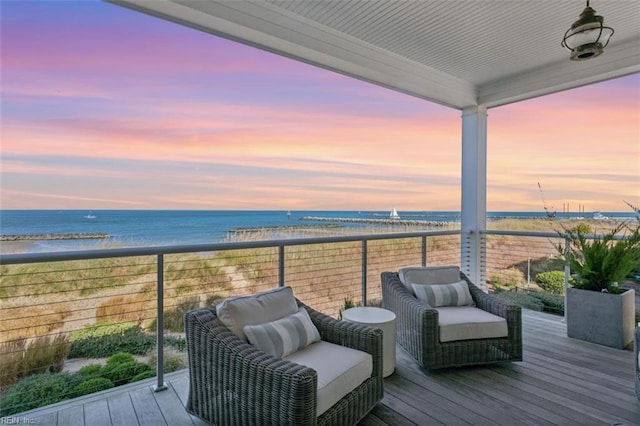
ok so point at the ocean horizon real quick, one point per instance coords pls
(145, 228)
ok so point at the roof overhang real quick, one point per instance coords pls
(455, 53)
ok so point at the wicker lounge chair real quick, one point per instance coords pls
(234, 383)
(418, 328)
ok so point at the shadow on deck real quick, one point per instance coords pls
(561, 381)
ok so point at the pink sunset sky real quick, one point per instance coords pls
(106, 108)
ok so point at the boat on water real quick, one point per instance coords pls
(394, 214)
(599, 216)
(90, 216)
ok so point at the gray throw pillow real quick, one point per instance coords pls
(284, 336)
(437, 295)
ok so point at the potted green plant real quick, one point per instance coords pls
(598, 308)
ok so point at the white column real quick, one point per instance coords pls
(474, 193)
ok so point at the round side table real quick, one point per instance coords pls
(384, 320)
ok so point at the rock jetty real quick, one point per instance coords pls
(42, 237)
(279, 228)
(403, 222)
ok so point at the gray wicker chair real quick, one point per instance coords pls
(234, 383)
(418, 331)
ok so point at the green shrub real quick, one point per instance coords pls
(38, 390)
(143, 376)
(90, 370)
(101, 340)
(178, 343)
(120, 358)
(536, 301)
(92, 385)
(553, 303)
(551, 281)
(525, 300)
(121, 373)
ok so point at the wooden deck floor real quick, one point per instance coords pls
(561, 382)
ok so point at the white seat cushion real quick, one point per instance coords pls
(467, 323)
(340, 370)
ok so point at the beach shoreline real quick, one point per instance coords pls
(15, 247)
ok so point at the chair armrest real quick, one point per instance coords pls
(509, 311)
(350, 335)
(228, 372)
(416, 321)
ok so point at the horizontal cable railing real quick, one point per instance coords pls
(69, 309)
(76, 308)
(513, 258)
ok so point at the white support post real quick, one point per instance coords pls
(474, 193)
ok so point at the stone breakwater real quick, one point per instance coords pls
(42, 237)
(279, 228)
(403, 222)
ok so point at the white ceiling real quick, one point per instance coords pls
(458, 53)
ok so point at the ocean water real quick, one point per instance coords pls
(139, 228)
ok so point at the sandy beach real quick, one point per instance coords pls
(12, 247)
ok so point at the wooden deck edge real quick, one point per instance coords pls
(96, 396)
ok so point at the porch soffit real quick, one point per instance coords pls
(456, 53)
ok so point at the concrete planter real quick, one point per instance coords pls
(602, 318)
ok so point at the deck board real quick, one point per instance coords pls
(147, 409)
(562, 381)
(73, 416)
(96, 413)
(121, 410)
(172, 408)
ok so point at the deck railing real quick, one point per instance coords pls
(49, 296)
(58, 299)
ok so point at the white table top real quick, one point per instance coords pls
(368, 314)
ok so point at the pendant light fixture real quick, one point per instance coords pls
(588, 36)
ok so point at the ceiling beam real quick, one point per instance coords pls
(259, 25)
(617, 61)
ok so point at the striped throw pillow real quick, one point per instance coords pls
(284, 336)
(436, 295)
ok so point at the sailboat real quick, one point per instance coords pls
(394, 214)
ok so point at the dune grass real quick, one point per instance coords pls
(21, 358)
